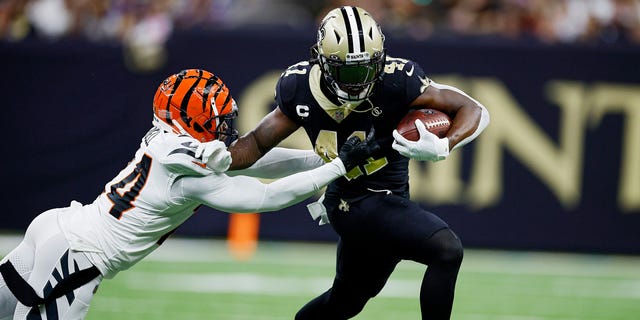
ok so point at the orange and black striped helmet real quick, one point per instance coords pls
(198, 103)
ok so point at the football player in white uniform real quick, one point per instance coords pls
(66, 252)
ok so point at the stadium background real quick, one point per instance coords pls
(557, 170)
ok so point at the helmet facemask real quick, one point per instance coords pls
(221, 127)
(352, 80)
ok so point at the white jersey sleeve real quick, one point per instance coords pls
(281, 162)
(248, 194)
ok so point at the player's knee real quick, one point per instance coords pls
(450, 248)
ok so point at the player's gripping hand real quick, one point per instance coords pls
(214, 154)
(428, 147)
(355, 152)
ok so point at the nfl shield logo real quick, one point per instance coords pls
(338, 115)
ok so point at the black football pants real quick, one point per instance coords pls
(375, 234)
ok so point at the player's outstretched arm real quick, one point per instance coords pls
(281, 162)
(248, 194)
(271, 130)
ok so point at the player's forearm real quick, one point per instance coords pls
(295, 188)
(245, 152)
(281, 162)
(248, 194)
(464, 124)
(271, 130)
(470, 119)
(473, 130)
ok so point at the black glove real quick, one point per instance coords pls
(355, 152)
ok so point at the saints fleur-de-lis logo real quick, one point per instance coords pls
(343, 206)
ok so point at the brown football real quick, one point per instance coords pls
(437, 122)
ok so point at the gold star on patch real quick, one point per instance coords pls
(425, 83)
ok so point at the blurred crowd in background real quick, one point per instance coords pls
(154, 21)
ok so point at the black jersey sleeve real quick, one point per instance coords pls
(409, 73)
(416, 81)
(286, 92)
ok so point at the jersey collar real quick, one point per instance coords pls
(336, 112)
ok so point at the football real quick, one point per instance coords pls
(437, 122)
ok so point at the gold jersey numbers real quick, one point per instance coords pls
(326, 147)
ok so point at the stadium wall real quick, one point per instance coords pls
(558, 168)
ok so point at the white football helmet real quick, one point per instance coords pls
(350, 50)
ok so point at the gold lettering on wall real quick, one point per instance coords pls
(606, 98)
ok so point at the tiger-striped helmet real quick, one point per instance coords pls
(350, 52)
(198, 103)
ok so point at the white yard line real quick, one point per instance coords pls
(285, 285)
(322, 255)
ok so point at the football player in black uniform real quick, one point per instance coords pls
(351, 87)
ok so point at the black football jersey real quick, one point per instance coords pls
(300, 96)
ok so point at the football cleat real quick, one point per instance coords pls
(197, 103)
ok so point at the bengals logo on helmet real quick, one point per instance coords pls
(196, 102)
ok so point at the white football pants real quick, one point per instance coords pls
(43, 258)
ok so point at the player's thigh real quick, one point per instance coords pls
(22, 260)
(79, 307)
(49, 245)
(40, 230)
(400, 225)
(361, 268)
(72, 306)
(54, 261)
(52, 267)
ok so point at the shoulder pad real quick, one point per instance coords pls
(398, 70)
(173, 151)
(288, 82)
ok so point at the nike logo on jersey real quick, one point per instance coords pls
(410, 71)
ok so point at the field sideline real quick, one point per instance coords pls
(200, 279)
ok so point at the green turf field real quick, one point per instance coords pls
(188, 279)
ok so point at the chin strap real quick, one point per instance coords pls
(364, 94)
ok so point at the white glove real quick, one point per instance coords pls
(428, 147)
(214, 154)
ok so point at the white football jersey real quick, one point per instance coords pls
(136, 211)
(161, 188)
